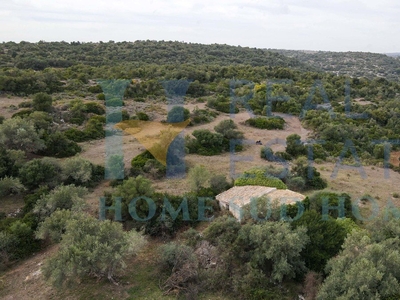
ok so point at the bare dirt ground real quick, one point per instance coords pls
(375, 184)
(24, 281)
(6, 105)
(395, 158)
(11, 204)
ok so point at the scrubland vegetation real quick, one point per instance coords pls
(144, 242)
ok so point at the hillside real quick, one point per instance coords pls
(354, 64)
(39, 56)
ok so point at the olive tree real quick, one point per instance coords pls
(20, 134)
(90, 247)
(68, 197)
(45, 171)
(364, 270)
(77, 170)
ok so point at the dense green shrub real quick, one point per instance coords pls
(282, 156)
(90, 247)
(317, 200)
(95, 89)
(8, 164)
(312, 180)
(191, 237)
(101, 96)
(198, 177)
(93, 130)
(75, 135)
(41, 120)
(178, 114)
(114, 117)
(38, 172)
(364, 268)
(201, 116)
(259, 177)
(196, 89)
(326, 239)
(125, 115)
(10, 186)
(53, 227)
(114, 102)
(146, 164)
(139, 161)
(267, 153)
(205, 142)
(226, 107)
(266, 122)
(219, 184)
(2, 118)
(77, 171)
(174, 256)
(222, 104)
(31, 199)
(98, 172)
(270, 249)
(22, 114)
(68, 197)
(296, 183)
(58, 145)
(25, 104)
(142, 116)
(228, 130)
(95, 108)
(17, 242)
(294, 146)
(42, 102)
(77, 112)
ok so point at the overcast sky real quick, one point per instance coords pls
(361, 25)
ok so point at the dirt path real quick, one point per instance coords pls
(6, 105)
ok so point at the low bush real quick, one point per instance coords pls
(222, 104)
(142, 116)
(205, 142)
(22, 114)
(201, 116)
(75, 135)
(25, 104)
(259, 177)
(146, 164)
(37, 172)
(95, 108)
(10, 186)
(101, 96)
(17, 241)
(269, 123)
(219, 184)
(95, 89)
(93, 130)
(178, 114)
(58, 145)
(77, 171)
(267, 153)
